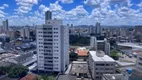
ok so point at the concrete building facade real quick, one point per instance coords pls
(100, 45)
(98, 28)
(100, 64)
(53, 46)
(139, 63)
(5, 26)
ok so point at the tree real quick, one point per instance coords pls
(73, 56)
(114, 54)
(45, 77)
(5, 69)
(79, 40)
(18, 71)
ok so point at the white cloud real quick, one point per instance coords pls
(25, 6)
(140, 5)
(79, 11)
(2, 16)
(2, 13)
(92, 3)
(102, 11)
(1, 7)
(43, 8)
(55, 6)
(5, 5)
(66, 1)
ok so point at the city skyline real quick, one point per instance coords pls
(108, 12)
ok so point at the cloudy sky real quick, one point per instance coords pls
(78, 12)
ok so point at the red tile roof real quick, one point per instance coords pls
(30, 77)
(82, 53)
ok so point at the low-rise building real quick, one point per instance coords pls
(27, 59)
(82, 53)
(139, 62)
(100, 64)
(112, 77)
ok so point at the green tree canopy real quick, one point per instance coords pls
(73, 56)
(114, 54)
(5, 69)
(18, 71)
(45, 77)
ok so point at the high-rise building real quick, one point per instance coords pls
(53, 46)
(93, 43)
(91, 29)
(48, 16)
(98, 28)
(100, 64)
(100, 45)
(5, 25)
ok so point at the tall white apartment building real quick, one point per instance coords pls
(98, 28)
(91, 29)
(139, 63)
(5, 26)
(53, 46)
(100, 64)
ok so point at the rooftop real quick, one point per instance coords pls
(100, 40)
(82, 52)
(30, 76)
(103, 58)
(113, 76)
(66, 77)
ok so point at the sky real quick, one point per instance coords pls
(77, 12)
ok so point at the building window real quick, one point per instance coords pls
(55, 57)
(49, 32)
(140, 63)
(48, 22)
(48, 57)
(107, 64)
(40, 56)
(44, 28)
(48, 43)
(49, 28)
(50, 61)
(140, 58)
(55, 32)
(99, 64)
(55, 35)
(56, 50)
(55, 39)
(55, 46)
(55, 28)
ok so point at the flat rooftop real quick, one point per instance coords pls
(66, 77)
(78, 70)
(113, 76)
(104, 58)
